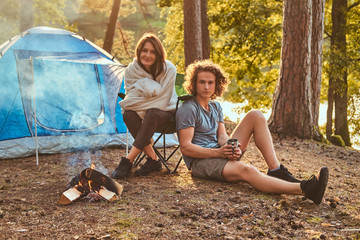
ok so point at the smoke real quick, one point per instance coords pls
(78, 161)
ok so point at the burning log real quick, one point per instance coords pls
(91, 183)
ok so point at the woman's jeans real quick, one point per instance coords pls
(143, 130)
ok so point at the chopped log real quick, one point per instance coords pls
(108, 195)
(69, 196)
(90, 179)
(103, 180)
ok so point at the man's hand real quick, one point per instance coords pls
(227, 152)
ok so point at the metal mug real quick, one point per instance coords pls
(234, 143)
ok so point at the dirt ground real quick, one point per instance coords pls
(177, 206)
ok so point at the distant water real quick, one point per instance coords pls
(230, 112)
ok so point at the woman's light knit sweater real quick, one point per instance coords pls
(143, 93)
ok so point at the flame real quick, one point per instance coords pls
(92, 166)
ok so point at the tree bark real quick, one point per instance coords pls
(26, 14)
(338, 68)
(292, 108)
(110, 31)
(192, 31)
(318, 11)
(330, 109)
(205, 31)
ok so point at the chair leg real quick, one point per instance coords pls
(139, 159)
(177, 165)
(165, 160)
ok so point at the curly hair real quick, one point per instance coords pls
(158, 67)
(192, 71)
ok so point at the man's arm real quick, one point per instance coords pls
(222, 140)
(195, 151)
(221, 134)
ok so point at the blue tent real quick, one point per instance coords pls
(59, 89)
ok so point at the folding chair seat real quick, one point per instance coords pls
(168, 128)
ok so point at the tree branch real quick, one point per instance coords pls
(123, 38)
(143, 12)
(327, 34)
(353, 5)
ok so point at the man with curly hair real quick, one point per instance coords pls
(203, 139)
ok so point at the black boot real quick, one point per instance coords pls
(283, 174)
(314, 188)
(149, 167)
(123, 170)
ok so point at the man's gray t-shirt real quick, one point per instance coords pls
(205, 123)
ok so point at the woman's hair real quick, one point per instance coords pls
(158, 67)
(192, 71)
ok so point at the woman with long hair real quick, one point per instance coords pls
(149, 102)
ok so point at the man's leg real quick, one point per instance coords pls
(235, 171)
(254, 123)
(313, 189)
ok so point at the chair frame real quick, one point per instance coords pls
(162, 157)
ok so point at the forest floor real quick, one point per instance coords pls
(178, 206)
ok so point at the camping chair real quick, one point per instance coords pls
(167, 128)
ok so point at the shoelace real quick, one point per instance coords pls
(312, 178)
(287, 171)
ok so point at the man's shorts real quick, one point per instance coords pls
(209, 168)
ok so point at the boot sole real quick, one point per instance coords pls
(323, 180)
(115, 176)
(137, 174)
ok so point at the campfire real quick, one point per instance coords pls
(93, 186)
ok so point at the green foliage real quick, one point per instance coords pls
(46, 13)
(354, 118)
(166, 3)
(174, 34)
(245, 40)
(49, 13)
(349, 63)
(92, 17)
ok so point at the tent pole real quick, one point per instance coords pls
(127, 141)
(36, 138)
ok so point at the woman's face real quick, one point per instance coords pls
(148, 56)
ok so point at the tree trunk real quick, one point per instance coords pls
(318, 11)
(205, 31)
(338, 68)
(192, 31)
(330, 109)
(26, 14)
(292, 108)
(110, 31)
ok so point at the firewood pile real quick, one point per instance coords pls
(91, 185)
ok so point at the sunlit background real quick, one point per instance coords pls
(232, 113)
(232, 47)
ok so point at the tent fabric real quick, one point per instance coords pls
(61, 88)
